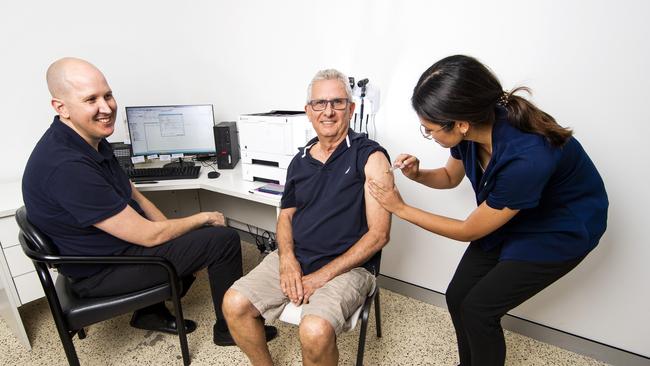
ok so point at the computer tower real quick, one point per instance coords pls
(226, 141)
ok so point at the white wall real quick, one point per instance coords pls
(585, 60)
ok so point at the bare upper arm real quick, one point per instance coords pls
(287, 213)
(455, 170)
(135, 192)
(376, 169)
(485, 220)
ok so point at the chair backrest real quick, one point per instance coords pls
(35, 239)
(37, 246)
(374, 263)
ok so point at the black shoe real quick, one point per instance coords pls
(159, 322)
(223, 338)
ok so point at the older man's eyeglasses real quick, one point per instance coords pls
(321, 104)
(428, 134)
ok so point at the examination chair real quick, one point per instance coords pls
(72, 313)
(291, 312)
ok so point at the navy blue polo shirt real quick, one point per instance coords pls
(67, 187)
(329, 199)
(560, 194)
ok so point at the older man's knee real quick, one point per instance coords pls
(236, 305)
(316, 333)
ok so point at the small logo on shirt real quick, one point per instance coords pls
(346, 172)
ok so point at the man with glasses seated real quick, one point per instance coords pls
(329, 231)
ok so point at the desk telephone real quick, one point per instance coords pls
(122, 152)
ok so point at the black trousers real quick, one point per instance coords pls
(483, 290)
(217, 248)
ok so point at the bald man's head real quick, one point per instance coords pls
(82, 98)
(62, 74)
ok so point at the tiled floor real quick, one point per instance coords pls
(414, 333)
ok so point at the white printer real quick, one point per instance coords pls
(269, 141)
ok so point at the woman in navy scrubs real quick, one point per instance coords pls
(541, 204)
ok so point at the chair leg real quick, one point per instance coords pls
(180, 326)
(68, 346)
(362, 333)
(65, 336)
(378, 313)
(82, 333)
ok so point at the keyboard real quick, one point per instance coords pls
(165, 173)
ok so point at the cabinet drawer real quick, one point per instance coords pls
(29, 287)
(8, 231)
(19, 263)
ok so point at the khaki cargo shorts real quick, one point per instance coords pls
(334, 302)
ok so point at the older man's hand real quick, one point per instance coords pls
(291, 278)
(312, 282)
(215, 218)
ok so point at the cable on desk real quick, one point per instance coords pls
(208, 164)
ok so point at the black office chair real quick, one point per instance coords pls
(72, 313)
(365, 312)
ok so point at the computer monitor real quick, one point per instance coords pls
(171, 129)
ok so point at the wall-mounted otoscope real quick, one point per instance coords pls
(366, 96)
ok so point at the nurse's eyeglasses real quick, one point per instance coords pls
(428, 134)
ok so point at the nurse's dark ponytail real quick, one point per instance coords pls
(460, 88)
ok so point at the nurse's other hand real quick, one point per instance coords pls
(389, 198)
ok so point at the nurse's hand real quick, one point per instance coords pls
(389, 198)
(409, 165)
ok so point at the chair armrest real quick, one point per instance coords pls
(51, 259)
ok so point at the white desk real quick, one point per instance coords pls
(229, 194)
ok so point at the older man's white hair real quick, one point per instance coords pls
(330, 74)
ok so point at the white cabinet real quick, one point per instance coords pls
(18, 262)
(8, 231)
(18, 278)
(20, 268)
(29, 287)
(19, 283)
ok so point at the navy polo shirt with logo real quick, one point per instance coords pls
(560, 193)
(329, 199)
(67, 187)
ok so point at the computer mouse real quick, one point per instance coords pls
(213, 175)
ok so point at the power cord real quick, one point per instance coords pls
(208, 164)
(265, 241)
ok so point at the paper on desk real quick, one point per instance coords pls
(165, 157)
(137, 159)
(177, 156)
(153, 156)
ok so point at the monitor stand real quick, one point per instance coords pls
(179, 164)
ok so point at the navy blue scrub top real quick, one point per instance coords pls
(68, 186)
(560, 195)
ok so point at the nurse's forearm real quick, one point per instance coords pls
(441, 225)
(480, 222)
(436, 178)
